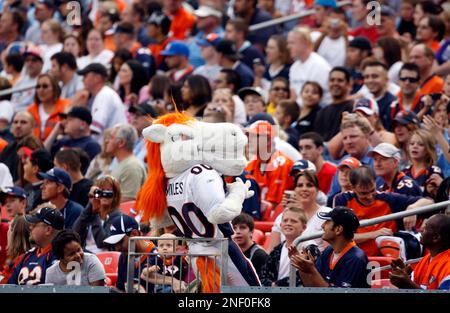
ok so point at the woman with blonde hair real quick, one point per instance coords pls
(52, 35)
(100, 164)
(222, 100)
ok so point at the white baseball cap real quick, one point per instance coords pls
(387, 150)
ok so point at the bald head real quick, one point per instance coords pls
(22, 124)
(440, 223)
(423, 57)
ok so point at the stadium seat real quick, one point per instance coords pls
(382, 284)
(258, 237)
(110, 261)
(128, 208)
(264, 226)
(266, 245)
(382, 261)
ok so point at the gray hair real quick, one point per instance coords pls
(128, 134)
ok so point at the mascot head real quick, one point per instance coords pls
(177, 142)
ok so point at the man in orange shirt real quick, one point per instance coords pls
(182, 20)
(367, 203)
(423, 57)
(269, 167)
(433, 271)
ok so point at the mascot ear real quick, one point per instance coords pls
(155, 133)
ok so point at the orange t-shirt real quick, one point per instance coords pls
(433, 84)
(433, 273)
(182, 23)
(275, 179)
(52, 119)
(157, 48)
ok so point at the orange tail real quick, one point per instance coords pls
(209, 274)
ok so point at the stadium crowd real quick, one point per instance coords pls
(347, 115)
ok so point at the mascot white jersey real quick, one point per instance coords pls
(184, 187)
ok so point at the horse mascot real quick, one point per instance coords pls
(185, 187)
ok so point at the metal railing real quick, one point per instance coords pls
(364, 223)
(220, 260)
(8, 91)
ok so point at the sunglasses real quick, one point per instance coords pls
(43, 86)
(410, 79)
(280, 89)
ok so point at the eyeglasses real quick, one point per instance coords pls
(43, 86)
(410, 79)
(280, 89)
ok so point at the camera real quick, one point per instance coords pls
(99, 193)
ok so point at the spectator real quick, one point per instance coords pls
(386, 165)
(349, 270)
(11, 23)
(236, 30)
(182, 20)
(47, 105)
(56, 189)
(272, 177)
(328, 122)
(125, 38)
(134, 13)
(309, 66)
(311, 95)
(286, 114)
(360, 11)
(96, 51)
(367, 203)
(22, 127)
(430, 31)
(52, 35)
(33, 67)
(252, 14)
(18, 244)
(408, 98)
(211, 68)
(359, 48)
(209, 21)
(376, 80)
(78, 133)
(15, 201)
(120, 57)
(421, 152)
(141, 117)
(343, 177)
(311, 146)
(432, 272)
(158, 94)
(69, 160)
(6, 115)
(388, 50)
(46, 222)
(253, 100)
(66, 247)
(132, 77)
(176, 56)
(106, 22)
(72, 44)
(64, 68)
(270, 6)
(94, 222)
(279, 90)
(387, 25)
(231, 79)
(196, 94)
(404, 124)
(406, 27)
(103, 117)
(124, 227)
(423, 57)
(100, 165)
(229, 59)
(36, 161)
(424, 8)
(244, 226)
(332, 43)
(275, 272)
(158, 25)
(43, 11)
(13, 66)
(129, 172)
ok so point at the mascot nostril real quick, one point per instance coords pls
(186, 188)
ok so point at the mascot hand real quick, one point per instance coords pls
(232, 205)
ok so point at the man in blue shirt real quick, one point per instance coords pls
(342, 263)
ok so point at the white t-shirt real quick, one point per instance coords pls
(91, 270)
(287, 149)
(394, 71)
(315, 68)
(333, 51)
(22, 99)
(49, 51)
(103, 58)
(43, 116)
(107, 110)
(283, 270)
(6, 179)
(240, 115)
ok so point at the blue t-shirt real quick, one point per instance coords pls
(88, 144)
(350, 271)
(246, 74)
(71, 212)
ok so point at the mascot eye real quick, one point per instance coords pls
(176, 138)
(233, 134)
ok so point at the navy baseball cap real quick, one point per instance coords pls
(81, 113)
(120, 226)
(57, 175)
(341, 216)
(302, 165)
(261, 117)
(12, 191)
(49, 216)
(96, 68)
(143, 108)
(176, 48)
(361, 43)
(407, 117)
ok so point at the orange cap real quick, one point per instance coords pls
(261, 128)
(350, 162)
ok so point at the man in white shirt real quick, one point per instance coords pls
(107, 108)
(308, 65)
